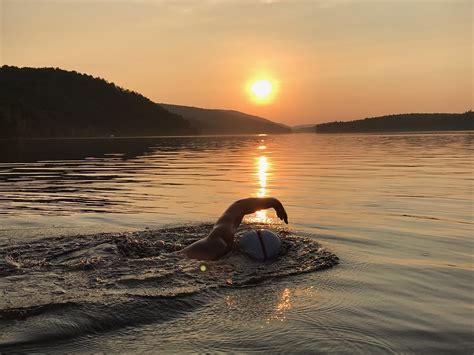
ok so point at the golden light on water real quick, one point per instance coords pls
(262, 166)
(284, 304)
(262, 171)
(261, 216)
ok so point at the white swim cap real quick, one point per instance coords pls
(260, 244)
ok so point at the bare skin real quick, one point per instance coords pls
(220, 240)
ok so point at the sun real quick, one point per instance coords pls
(261, 90)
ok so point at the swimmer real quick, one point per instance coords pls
(219, 242)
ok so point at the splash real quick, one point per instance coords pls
(115, 271)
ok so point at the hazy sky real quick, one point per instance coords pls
(330, 59)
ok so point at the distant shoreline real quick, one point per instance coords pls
(51, 102)
(48, 103)
(233, 135)
(143, 137)
(410, 122)
(400, 132)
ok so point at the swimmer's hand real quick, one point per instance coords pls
(281, 213)
(280, 210)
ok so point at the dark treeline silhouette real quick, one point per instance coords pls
(214, 121)
(403, 123)
(48, 102)
(303, 128)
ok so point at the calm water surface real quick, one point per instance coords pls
(396, 209)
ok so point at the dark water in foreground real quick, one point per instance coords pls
(65, 287)
(87, 241)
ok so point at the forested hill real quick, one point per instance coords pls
(48, 102)
(403, 123)
(214, 121)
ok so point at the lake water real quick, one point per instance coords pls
(88, 227)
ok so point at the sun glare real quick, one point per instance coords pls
(261, 90)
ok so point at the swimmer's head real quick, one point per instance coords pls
(260, 244)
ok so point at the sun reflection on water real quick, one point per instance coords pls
(262, 166)
(282, 307)
(262, 172)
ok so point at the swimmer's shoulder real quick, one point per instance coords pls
(222, 231)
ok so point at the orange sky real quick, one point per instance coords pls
(331, 59)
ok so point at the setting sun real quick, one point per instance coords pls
(262, 90)
(250, 163)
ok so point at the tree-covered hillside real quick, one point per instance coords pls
(214, 121)
(402, 123)
(48, 102)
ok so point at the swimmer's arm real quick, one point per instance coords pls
(205, 249)
(240, 208)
